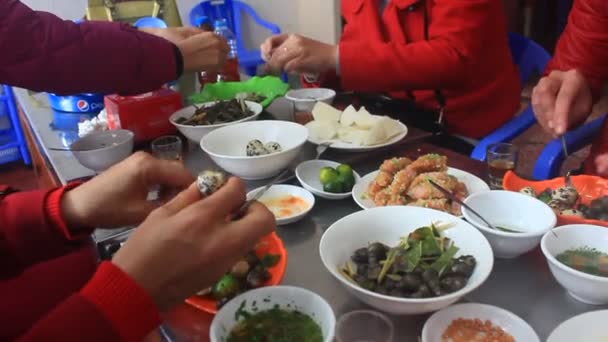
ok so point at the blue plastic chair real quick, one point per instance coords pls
(150, 22)
(529, 57)
(13, 146)
(232, 10)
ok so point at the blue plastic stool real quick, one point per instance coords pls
(150, 22)
(13, 146)
(232, 12)
(529, 57)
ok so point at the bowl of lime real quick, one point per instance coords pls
(327, 179)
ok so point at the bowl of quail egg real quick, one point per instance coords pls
(255, 150)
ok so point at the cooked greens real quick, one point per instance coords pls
(218, 113)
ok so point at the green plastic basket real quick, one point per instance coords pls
(269, 86)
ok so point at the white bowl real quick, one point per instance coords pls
(584, 287)
(196, 133)
(305, 99)
(308, 175)
(227, 147)
(514, 211)
(590, 326)
(509, 322)
(100, 150)
(280, 190)
(265, 298)
(387, 225)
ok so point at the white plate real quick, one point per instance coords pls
(348, 147)
(473, 183)
(280, 190)
(509, 322)
(588, 327)
(308, 175)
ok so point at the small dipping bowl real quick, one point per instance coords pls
(308, 175)
(283, 191)
(100, 150)
(364, 325)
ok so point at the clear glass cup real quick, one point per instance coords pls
(501, 157)
(168, 147)
(364, 326)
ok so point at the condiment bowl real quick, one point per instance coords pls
(294, 195)
(285, 297)
(511, 210)
(387, 225)
(584, 287)
(436, 325)
(196, 133)
(100, 150)
(227, 147)
(308, 175)
(305, 99)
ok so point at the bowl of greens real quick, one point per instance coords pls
(278, 313)
(578, 259)
(406, 260)
(262, 90)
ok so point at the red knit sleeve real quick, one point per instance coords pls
(32, 230)
(111, 307)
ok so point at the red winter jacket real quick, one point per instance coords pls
(466, 56)
(584, 46)
(49, 288)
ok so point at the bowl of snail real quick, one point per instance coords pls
(257, 149)
(405, 259)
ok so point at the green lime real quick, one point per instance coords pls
(328, 174)
(227, 287)
(344, 169)
(348, 181)
(334, 187)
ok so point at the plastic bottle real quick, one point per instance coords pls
(230, 72)
(205, 77)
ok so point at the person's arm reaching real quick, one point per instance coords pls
(42, 52)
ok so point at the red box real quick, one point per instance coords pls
(146, 115)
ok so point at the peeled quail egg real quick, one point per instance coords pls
(565, 194)
(528, 191)
(273, 147)
(209, 182)
(572, 212)
(256, 148)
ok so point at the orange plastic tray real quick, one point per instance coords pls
(270, 244)
(588, 187)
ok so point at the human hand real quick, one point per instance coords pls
(561, 100)
(203, 52)
(118, 196)
(297, 54)
(172, 34)
(188, 244)
(601, 165)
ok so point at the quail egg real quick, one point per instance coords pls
(209, 182)
(572, 212)
(256, 148)
(528, 191)
(273, 147)
(565, 194)
(558, 205)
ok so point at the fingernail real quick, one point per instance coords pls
(550, 124)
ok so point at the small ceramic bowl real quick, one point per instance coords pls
(100, 150)
(305, 99)
(308, 175)
(509, 322)
(298, 208)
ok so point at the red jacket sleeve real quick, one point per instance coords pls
(44, 53)
(584, 43)
(32, 230)
(455, 44)
(111, 307)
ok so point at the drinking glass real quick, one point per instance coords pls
(167, 147)
(364, 326)
(501, 157)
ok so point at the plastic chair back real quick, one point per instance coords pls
(150, 22)
(528, 55)
(214, 10)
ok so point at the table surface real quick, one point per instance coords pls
(523, 286)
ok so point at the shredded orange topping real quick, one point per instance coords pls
(474, 330)
(286, 206)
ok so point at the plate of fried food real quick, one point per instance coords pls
(401, 181)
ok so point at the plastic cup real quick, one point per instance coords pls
(364, 326)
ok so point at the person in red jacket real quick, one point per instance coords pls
(409, 49)
(575, 78)
(50, 286)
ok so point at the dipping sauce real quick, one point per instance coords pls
(276, 325)
(285, 206)
(474, 330)
(586, 259)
